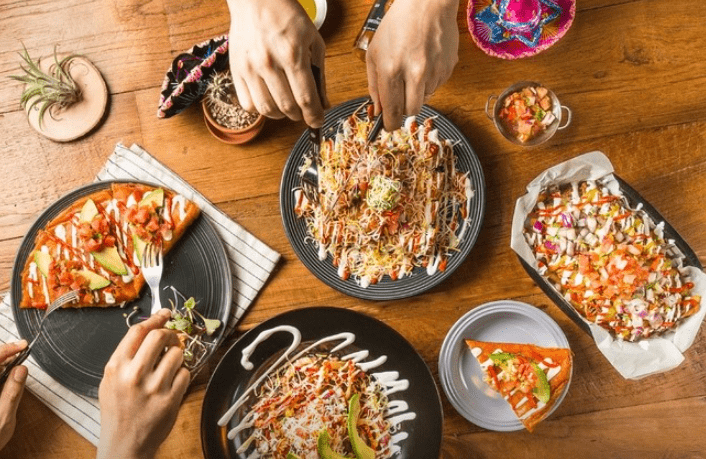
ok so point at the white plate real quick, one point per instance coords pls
(461, 376)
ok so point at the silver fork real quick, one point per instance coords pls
(24, 353)
(152, 267)
(310, 177)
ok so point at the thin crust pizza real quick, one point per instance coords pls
(96, 245)
(531, 378)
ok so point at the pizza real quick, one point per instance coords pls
(531, 378)
(96, 245)
(610, 260)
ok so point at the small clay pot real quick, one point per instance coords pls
(231, 136)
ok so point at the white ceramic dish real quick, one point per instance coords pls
(321, 7)
(460, 374)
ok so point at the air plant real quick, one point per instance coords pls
(54, 90)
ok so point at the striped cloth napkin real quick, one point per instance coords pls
(251, 263)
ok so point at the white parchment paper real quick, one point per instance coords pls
(633, 360)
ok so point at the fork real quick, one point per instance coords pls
(310, 177)
(24, 353)
(152, 267)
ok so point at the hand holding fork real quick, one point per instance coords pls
(19, 358)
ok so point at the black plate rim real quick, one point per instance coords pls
(386, 289)
(633, 198)
(51, 211)
(209, 418)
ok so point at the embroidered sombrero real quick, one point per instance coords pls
(189, 74)
(513, 29)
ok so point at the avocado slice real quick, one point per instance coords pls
(43, 261)
(139, 246)
(543, 390)
(500, 357)
(291, 455)
(154, 196)
(95, 281)
(360, 449)
(110, 260)
(323, 446)
(88, 211)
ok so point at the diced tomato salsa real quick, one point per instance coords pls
(527, 113)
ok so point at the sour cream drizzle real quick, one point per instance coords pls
(45, 290)
(33, 277)
(397, 410)
(179, 202)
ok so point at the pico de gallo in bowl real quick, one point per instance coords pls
(527, 113)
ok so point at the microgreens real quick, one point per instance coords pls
(188, 320)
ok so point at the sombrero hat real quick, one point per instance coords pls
(190, 73)
(513, 29)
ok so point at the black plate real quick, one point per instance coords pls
(633, 198)
(386, 289)
(230, 379)
(77, 343)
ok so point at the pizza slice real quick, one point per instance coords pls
(91, 247)
(531, 378)
(152, 215)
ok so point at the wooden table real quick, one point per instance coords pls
(634, 74)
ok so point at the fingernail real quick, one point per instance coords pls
(20, 374)
(22, 343)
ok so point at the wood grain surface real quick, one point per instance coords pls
(632, 71)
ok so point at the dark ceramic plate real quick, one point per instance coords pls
(77, 343)
(230, 379)
(633, 198)
(386, 289)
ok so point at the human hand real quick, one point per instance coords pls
(412, 53)
(141, 391)
(11, 391)
(273, 45)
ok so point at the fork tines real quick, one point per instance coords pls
(152, 255)
(64, 299)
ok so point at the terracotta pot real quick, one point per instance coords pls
(231, 136)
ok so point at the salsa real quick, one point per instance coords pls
(527, 113)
